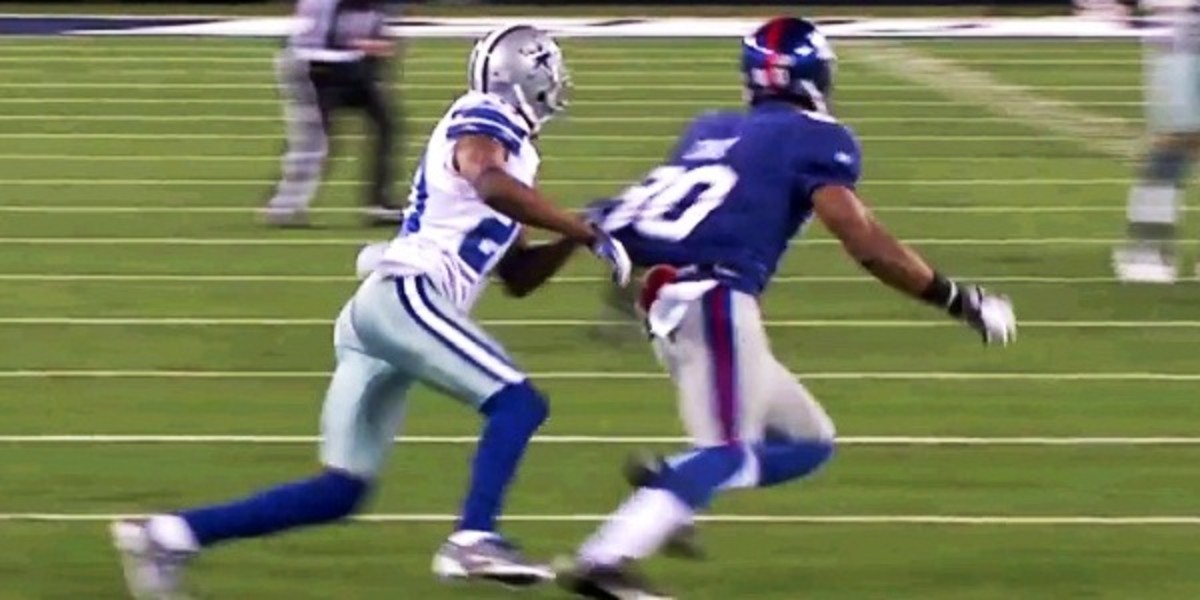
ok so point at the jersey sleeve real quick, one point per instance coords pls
(831, 156)
(487, 120)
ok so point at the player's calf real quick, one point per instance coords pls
(781, 459)
(663, 506)
(154, 551)
(475, 550)
(1154, 210)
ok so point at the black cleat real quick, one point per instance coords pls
(644, 469)
(620, 323)
(621, 582)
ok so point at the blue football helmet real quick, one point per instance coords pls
(788, 58)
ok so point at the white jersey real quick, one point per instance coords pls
(449, 233)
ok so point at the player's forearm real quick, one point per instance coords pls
(889, 260)
(518, 201)
(527, 268)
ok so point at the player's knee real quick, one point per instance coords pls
(519, 402)
(340, 494)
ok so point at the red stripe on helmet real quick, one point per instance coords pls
(775, 33)
(775, 30)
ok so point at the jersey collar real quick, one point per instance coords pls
(773, 105)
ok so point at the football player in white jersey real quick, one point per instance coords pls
(1155, 203)
(408, 323)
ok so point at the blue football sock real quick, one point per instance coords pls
(327, 497)
(1167, 166)
(695, 478)
(513, 414)
(783, 461)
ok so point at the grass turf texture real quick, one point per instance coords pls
(71, 140)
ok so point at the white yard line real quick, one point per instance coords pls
(292, 242)
(412, 86)
(265, 58)
(566, 279)
(959, 82)
(616, 184)
(617, 375)
(1016, 182)
(779, 324)
(649, 158)
(867, 440)
(695, 103)
(420, 143)
(276, 119)
(575, 47)
(988, 209)
(948, 520)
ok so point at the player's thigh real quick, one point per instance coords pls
(1173, 92)
(713, 358)
(407, 323)
(364, 409)
(375, 102)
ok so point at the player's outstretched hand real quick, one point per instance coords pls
(608, 249)
(597, 210)
(989, 314)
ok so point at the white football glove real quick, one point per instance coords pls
(991, 315)
(611, 251)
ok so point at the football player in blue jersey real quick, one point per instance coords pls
(712, 226)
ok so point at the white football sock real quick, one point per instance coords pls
(469, 537)
(173, 533)
(638, 529)
(1153, 204)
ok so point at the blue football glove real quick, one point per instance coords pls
(611, 251)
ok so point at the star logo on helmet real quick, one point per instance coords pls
(543, 60)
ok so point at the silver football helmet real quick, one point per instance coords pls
(524, 66)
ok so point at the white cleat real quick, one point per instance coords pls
(489, 559)
(1144, 265)
(152, 572)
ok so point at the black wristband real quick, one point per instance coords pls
(943, 293)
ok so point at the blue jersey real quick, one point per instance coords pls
(734, 192)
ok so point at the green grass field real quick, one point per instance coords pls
(129, 173)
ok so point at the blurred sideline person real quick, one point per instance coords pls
(336, 59)
(409, 324)
(713, 224)
(1155, 203)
